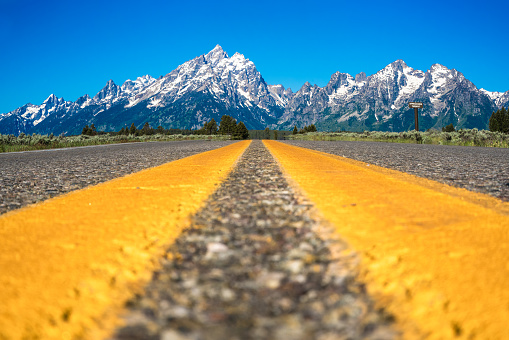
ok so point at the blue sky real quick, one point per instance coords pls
(71, 48)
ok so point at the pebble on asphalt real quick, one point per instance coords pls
(253, 266)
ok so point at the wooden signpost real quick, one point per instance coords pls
(416, 106)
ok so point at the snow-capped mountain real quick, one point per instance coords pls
(205, 87)
(500, 99)
(380, 101)
(215, 84)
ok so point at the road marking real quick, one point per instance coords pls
(68, 265)
(435, 256)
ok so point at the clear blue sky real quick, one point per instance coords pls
(71, 48)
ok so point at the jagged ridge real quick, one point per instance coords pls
(214, 84)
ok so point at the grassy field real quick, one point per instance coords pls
(471, 137)
(10, 143)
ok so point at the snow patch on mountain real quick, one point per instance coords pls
(501, 99)
(410, 81)
(495, 96)
(214, 82)
(280, 94)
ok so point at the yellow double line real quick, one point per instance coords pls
(434, 256)
(68, 265)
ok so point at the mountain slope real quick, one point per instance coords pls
(214, 84)
(205, 87)
(380, 101)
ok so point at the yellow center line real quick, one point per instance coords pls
(435, 256)
(68, 265)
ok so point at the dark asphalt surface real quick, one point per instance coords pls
(254, 266)
(30, 177)
(479, 169)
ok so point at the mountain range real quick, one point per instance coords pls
(214, 84)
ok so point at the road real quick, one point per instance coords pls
(484, 170)
(324, 247)
(30, 177)
(75, 259)
(435, 255)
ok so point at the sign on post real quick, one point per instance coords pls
(416, 106)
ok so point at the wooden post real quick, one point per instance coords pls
(416, 106)
(416, 111)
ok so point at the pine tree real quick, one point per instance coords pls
(499, 121)
(145, 129)
(211, 127)
(295, 131)
(494, 121)
(85, 130)
(227, 125)
(241, 132)
(504, 118)
(449, 128)
(92, 131)
(132, 129)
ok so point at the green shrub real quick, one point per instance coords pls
(462, 137)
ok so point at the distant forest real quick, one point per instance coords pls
(227, 126)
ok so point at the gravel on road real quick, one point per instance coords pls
(484, 170)
(34, 176)
(253, 265)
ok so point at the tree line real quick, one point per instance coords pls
(305, 129)
(499, 121)
(147, 130)
(227, 126)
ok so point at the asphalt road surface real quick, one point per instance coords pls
(258, 262)
(254, 266)
(30, 177)
(479, 169)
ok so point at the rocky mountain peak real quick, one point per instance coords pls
(360, 77)
(213, 84)
(281, 94)
(438, 68)
(394, 67)
(83, 99)
(110, 84)
(109, 90)
(215, 56)
(399, 64)
(339, 79)
(52, 99)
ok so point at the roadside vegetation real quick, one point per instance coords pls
(228, 129)
(499, 121)
(497, 136)
(10, 143)
(471, 137)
